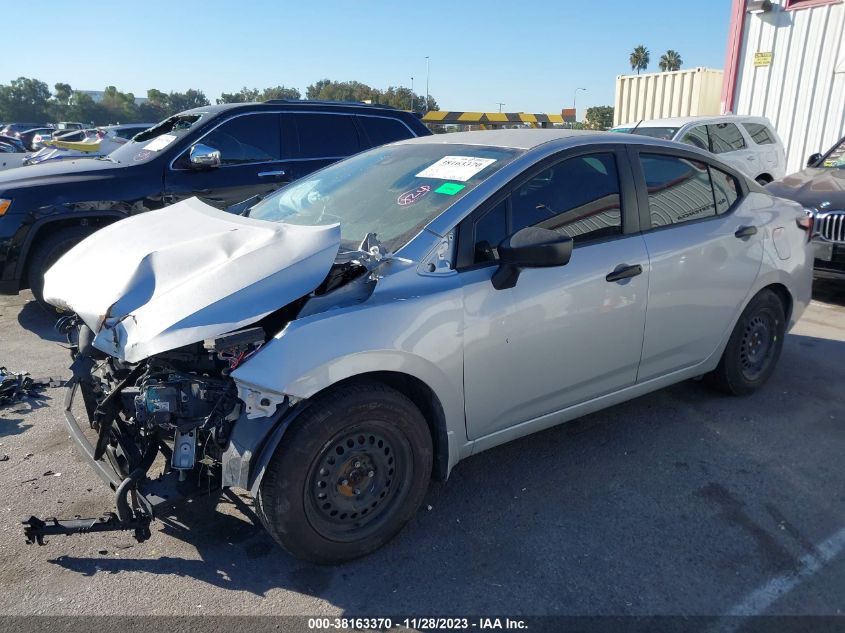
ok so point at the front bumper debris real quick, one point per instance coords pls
(35, 529)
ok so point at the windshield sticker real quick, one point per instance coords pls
(410, 197)
(142, 155)
(456, 168)
(449, 188)
(160, 142)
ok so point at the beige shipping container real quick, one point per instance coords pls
(694, 92)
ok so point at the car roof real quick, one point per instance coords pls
(527, 139)
(681, 121)
(276, 104)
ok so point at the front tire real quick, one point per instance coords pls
(46, 254)
(754, 347)
(349, 473)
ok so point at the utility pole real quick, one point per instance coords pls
(427, 77)
(574, 99)
(500, 106)
(412, 94)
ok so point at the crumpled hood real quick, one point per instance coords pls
(811, 187)
(172, 277)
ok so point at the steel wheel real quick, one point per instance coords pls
(757, 346)
(355, 483)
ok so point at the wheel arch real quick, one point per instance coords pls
(48, 226)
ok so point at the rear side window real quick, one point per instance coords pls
(327, 136)
(252, 138)
(681, 190)
(725, 137)
(381, 130)
(697, 137)
(759, 133)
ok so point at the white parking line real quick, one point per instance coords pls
(764, 596)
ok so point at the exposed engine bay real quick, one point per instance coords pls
(163, 424)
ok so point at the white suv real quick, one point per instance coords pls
(748, 143)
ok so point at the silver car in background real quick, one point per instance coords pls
(372, 324)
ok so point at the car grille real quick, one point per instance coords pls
(831, 226)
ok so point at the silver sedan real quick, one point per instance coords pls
(363, 329)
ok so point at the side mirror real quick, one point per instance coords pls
(530, 247)
(203, 156)
(814, 160)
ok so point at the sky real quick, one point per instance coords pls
(532, 56)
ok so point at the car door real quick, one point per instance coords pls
(252, 162)
(562, 335)
(704, 251)
(727, 141)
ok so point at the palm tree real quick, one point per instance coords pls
(640, 58)
(670, 60)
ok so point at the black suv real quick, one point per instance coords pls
(224, 154)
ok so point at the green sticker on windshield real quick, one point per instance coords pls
(449, 188)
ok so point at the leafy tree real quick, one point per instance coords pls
(599, 118)
(245, 95)
(24, 100)
(640, 58)
(396, 96)
(670, 61)
(63, 93)
(118, 107)
(281, 92)
(83, 108)
(155, 108)
(180, 101)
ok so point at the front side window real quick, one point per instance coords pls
(392, 191)
(679, 189)
(759, 133)
(150, 143)
(578, 197)
(251, 138)
(725, 137)
(697, 137)
(327, 136)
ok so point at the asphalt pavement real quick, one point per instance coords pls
(682, 502)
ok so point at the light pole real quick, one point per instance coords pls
(500, 104)
(412, 94)
(574, 99)
(427, 77)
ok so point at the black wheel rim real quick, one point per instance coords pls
(758, 345)
(358, 481)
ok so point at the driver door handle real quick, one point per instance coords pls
(270, 174)
(745, 231)
(624, 271)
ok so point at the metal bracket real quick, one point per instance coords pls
(36, 529)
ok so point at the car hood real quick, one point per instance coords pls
(172, 277)
(813, 187)
(57, 172)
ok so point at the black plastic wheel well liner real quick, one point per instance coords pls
(785, 297)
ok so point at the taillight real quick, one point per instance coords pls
(806, 223)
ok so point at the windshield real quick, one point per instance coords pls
(666, 133)
(151, 142)
(836, 157)
(392, 191)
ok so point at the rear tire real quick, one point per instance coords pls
(349, 474)
(754, 347)
(46, 254)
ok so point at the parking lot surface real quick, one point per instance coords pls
(680, 502)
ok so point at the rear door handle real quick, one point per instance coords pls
(270, 174)
(624, 271)
(745, 231)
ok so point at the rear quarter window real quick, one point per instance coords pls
(759, 133)
(382, 130)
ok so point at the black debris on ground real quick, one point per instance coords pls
(20, 386)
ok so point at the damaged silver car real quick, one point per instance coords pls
(365, 328)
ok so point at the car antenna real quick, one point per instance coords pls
(634, 129)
